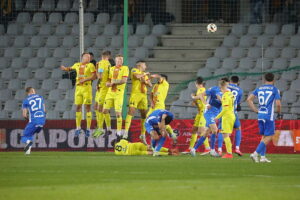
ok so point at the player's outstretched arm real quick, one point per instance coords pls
(123, 81)
(250, 100)
(63, 68)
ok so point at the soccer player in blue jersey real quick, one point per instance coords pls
(267, 95)
(155, 125)
(33, 109)
(238, 94)
(213, 107)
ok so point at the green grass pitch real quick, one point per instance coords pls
(99, 176)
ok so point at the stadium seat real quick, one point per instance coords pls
(221, 52)
(295, 85)
(2, 29)
(288, 76)
(36, 41)
(55, 95)
(48, 5)
(48, 84)
(95, 30)
(4, 62)
(246, 63)
(24, 74)
(263, 41)
(130, 30)
(134, 41)
(229, 63)
(280, 63)
(88, 18)
(27, 52)
(18, 63)
(238, 29)
(11, 105)
(69, 41)
(46, 29)
(7, 74)
(62, 105)
(5, 41)
(132, 61)
(220, 71)
(238, 52)
(31, 5)
(116, 41)
(159, 30)
(295, 41)
(282, 85)
(56, 74)
(70, 94)
(247, 85)
(71, 18)
(142, 30)
(117, 19)
(271, 29)
(32, 83)
(62, 30)
(14, 29)
(246, 41)
(93, 6)
(20, 41)
(280, 41)
(23, 18)
(213, 63)
(75, 29)
(289, 96)
(288, 52)
(52, 41)
(55, 18)
(39, 18)
(6, 94)
(41, 74)
(19, 5)
(254, 52)
(101, 41)
(65, 84)
(20, 95)
(192, 86)
(68, 114)
(63, 5)
(255, 29)
(51, 114)
(29, 29)
(252, 115)
(272, 52)
(14, 84)
(102, 18)
(110, 30)
(44, 52)
(263, 63)
(74, 52)
(150, 41)
(295, 62)
(17, 115)
(288, 29)
(141, 53)
(204, 72)
(230, 41)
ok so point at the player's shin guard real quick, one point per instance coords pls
(228, 145)
(260, 147)
(238, 138)
(107, 121)
(78, 120)
(206, 144)
(143, 130)
(127, 122)
(88, 120)
(212, 141)
(160, 144)
(193, 140)
(200, 142)
(119, 125)
(220, 141)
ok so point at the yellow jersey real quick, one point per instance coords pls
(227, 105)
(103, 67)
(116, 74)
(83, 71)
(160, 92)
(200, 104)
(138, 85)
(121, 147)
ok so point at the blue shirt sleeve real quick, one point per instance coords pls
(25, 104)
(255, 92)
(277, 94)
(208, 92)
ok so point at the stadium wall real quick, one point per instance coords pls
(58, 135)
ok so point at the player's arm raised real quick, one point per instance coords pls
(250, 100)
(67, 69)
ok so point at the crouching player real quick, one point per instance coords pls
(35, 107)
(125, 148)
(156, 126)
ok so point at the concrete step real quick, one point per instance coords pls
(190, 41)
(155, 64)
(198, 29)
(182, 52)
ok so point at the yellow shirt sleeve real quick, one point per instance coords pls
(92, 68)
(75, 66)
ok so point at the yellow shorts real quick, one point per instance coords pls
(100, 95)
(114, 100)
(227, 123)
(137, 148)
(138, 101)
(156, 107)
(83, 95)
(199, 120)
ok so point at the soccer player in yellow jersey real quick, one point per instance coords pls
(103, 68)
(199, 122)
(227, 115)
(138, 98)
(125, 148)
(86, 72)
(116, 87)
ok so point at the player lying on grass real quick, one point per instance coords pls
(156, 126)
(125, 148)
(267, 95)
(33, 109)
(199, 122)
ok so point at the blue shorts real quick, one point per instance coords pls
(149, 128)
(266, 127)
(210, 116)
(29, 131)
(237, 123)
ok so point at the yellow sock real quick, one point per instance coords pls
(193, 140)
(88, 120)
(163, 153)
(100, 120)
(164, 149)
(107, 120)
(143, 130)
(206, 143)
(119, 123)
(127, 122)
(228, 145)
(78, 119)
(169, 129)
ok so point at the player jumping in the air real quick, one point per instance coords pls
(238, 94)
(199, 123)
(267, 95)
(155, 125)
(86, 72)
(33, 109)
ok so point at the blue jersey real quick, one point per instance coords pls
(155, 117)
(266, 94)
(237, 93)
(212, 98)
(34, 103)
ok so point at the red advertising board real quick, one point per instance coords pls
(59, 135)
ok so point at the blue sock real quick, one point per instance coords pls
(263, 152)
(238, 138)
(199, 142)
(212, 141)
(153, 143)
(260, 147)
(220, 140)
(160, 144)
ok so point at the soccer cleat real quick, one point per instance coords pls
(188, 151)
(125, 135)
(264, 160)
(227, 155)
(213, 153)
(206, 151)
(155, 153)
(28, 146)
(28, 151)
(174, 138)
(87, 133)
(98, 132)
(193, 152)
(77, 132)
(254, 157)
(238, 152)
(220, 153)
(108, 132)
